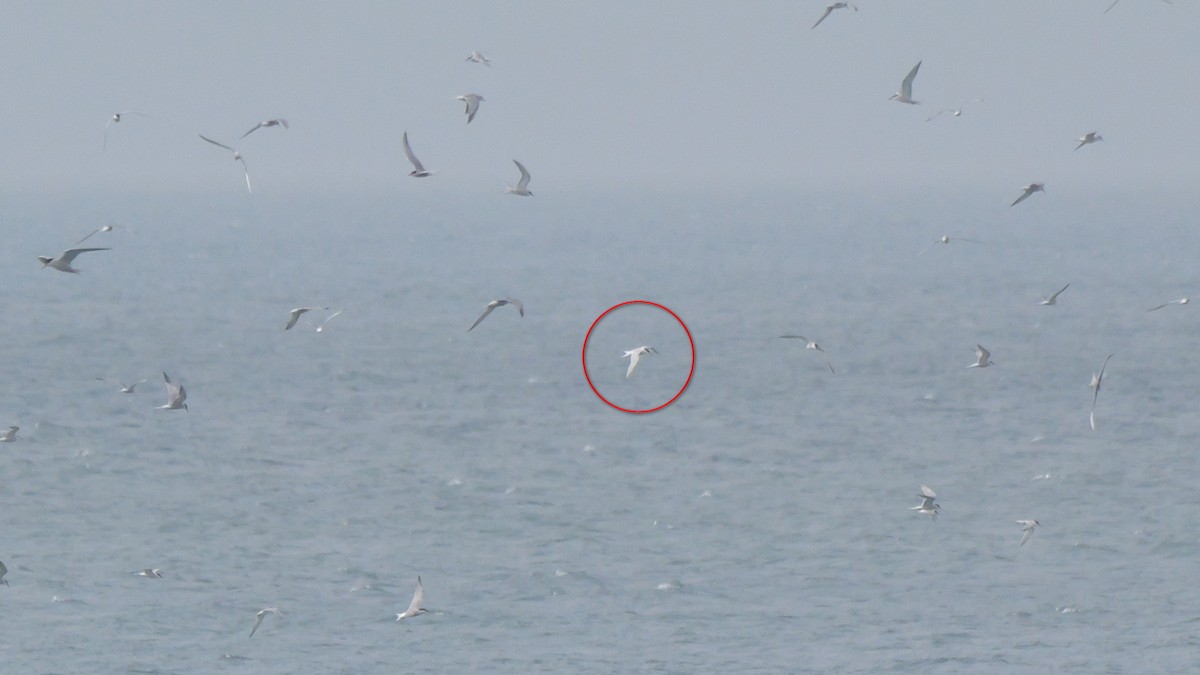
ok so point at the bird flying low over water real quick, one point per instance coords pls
(296, 315)
(905, 93)
(237, 157)
(472, 101)
(176, 395)
(1027, 527)
(635, 355)
(267, 123)
(955, 112)
(1088, 138)
(419, 170)
(63, 262)
(477, 57)
(491, 306)
(1028, 190)
(830, 8)
(1096, 380)
(927, 507)
(982, 358)
(522, 188)
(116, 119)
(812, 344)
(414, 607)
(153, 573)
(258, 618)
(1053, 299)
(10, 436)
(128, 388)
(1181, 301)
(946, 240)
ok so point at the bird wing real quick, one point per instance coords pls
(483, 316)
(1028, 533)
(295, 316)
(828, 11)
(409, 154)
(256, 128)
(927, 493)
(95, 231)
(524, 182)
(794, 337)
(418, 598)
(1023, 197)
(472, 106)
(519, 305)
(257, 622)
(246, 170)
(1096, 387)
(984, 354)
(1160, 306)
(216, 143)
(906, 85)
(1055, 296)
(69, 255)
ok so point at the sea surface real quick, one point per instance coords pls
(760, 523)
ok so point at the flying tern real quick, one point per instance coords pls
(498, 303)
(927, 507)
(153, 573)
(983, 357)
(478, 57)
(237, 157)
(1088, 138)
(956, 112)
(1097, 378)
(128, 388)
(829, 10)
(522, 188)
(634, 355)
(905, 93)
(176, 395)
(1053, 299)
(946, 240)
(321, 326)
(472, 101)
(1181, 301)
(1027, 527)
(63, 262)
(116, 119)
(10, 436)
(267, 123)
(296, 315)
(258, 618)
(419, 170)
(1029, 189)
(414, 607)
(812, 344)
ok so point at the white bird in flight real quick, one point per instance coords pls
(296, 315)
(10, 436)
(1088, 138)
(478, 57)
(956, 112)
(983, 358)
(1027, 527)
(237, 157)
(419, 170)
(258, 618)
(812, 344)
(321, 326)
(116, 119)
(176, 395)
(1029, 189)
(498, 303)
(1181, 301)
(927, 507)
(102, 228)
(128, 388)
(522, 188)
(830, 8)
(280, 122)
(418, 599)
(634, 355)
(905, 93)
(1053, 299)
(946, 240)
(472, 101)
(153, 573)
(63, 262)
(1097, 378)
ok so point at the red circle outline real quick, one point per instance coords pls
(583, 357)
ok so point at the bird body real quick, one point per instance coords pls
(1027, 528)
(176, 395)
(10, 436)
(927, 506)
(905, 93)
(472, 101)
(522, 187)
(63, 262)
(983, 356)
(491, 306)
(419, 170)
(477, 57)
(414, 607)
(1088, 138)
(634, 355)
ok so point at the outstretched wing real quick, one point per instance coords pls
(216, 143)
(483, 316)
(906, 85)
(524, 182)
(409, 154)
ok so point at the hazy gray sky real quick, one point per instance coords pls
(597, 96)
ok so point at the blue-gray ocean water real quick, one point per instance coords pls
(761, 523)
